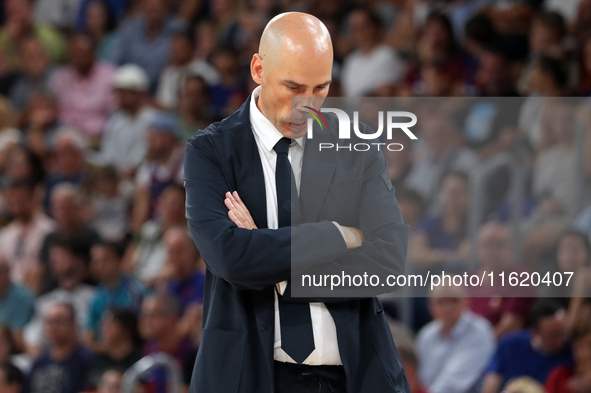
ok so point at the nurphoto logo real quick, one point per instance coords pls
(395, 120)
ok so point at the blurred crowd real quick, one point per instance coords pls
(97, 98)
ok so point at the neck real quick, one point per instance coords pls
(63, 351)
(26, 218)
(69, 283)
(453, 222)
(367, 47)
(168, 343)
(119, 350)
(154, 28)
(85, 72)
(111, 283)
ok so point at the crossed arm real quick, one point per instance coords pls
(239, 214)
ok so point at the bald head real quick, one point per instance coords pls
(294, 60)
(294, 34)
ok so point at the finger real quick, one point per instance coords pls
(237, 197)
(240, 206)
(235, 219)
(229, 204)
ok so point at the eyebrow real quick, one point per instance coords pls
(294, 83)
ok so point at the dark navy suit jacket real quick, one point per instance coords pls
(243, 266)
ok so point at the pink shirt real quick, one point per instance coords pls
(85, 103)
(20, 244)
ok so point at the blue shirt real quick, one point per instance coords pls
(17, 306)
(66, 376)
(188, 291)
(432, 227)
(455, 363)
(515, 357)
(128, 294)
(133, 46)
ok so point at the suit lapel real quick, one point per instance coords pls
(317, 171)
(249, 178)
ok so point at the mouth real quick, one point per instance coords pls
(297, 126)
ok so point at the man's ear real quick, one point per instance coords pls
(256, 68)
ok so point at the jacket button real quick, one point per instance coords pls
(265, 327)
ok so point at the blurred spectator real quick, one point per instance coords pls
(120, 344)
(437, 154)
(19, 24)
(159, 319)
(400, 163)
(505, 309)
(69, 267)
(64, 365)
(437, 54)
(123, 143)
(547, 34)
(410, 364)
(494, 76)
(480, 34)
(110, 382)
(115, 289)
(17, 303)
(23, 164)
(67, 208)
(99, 22)
(574, 378)
(371, 64)
(110, 205)
(585, 68)
(60, 14)
(83, 88)
(163, 166)
(21, 240)
(230, 92)
(187, 278)
(573, 254)
(549, 77)
(41, 124)
(453, 349)
(534, 352)
(7, 120)
(12, 380)
(439, 240)
(34, 73)
(556, 183)
(490, 130)
(411, 205)
(146, 257)
(206, 40)
(175, 73)
(194, 109)
(580, 27)
(117, 9)
(145, 39)
(67, 162)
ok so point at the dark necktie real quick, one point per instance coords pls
(297, 337)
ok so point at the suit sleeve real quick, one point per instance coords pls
(383, 252)
(248, 259)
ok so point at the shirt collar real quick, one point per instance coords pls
(262, 126)
(459, 328)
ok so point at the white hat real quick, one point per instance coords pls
(131, 77)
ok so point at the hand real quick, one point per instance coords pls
(238, 212)
(353, 237)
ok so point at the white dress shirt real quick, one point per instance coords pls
(326, 350)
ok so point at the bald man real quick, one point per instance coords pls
(261, 200)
